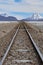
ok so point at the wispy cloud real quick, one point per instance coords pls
(21, 7)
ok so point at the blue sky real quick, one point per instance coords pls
(21, 8)
(17, 1)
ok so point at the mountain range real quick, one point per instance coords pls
(34, 17)
(8, 18)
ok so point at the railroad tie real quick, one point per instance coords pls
(22, 50)
(23, 61)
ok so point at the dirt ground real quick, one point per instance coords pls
(17, 51)
(7, 31)
(36, 32)
(6, 27)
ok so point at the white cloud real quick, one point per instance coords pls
(24, 6)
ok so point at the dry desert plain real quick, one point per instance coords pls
(7, 31)
(37, 33)
(6, 27)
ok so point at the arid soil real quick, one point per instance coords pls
(22, 42)
(38, 26)
(7, 30)
(18, 51)
(37, 34)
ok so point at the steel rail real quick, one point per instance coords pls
(6, 53)
(33, 42)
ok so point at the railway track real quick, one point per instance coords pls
(5, 41)
(37, 35)
(21, 50)
(36, 39)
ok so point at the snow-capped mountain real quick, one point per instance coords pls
(7, 18)
(34, 17)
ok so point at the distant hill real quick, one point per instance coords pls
(9, 18)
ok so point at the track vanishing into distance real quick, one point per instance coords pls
(21, 50)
